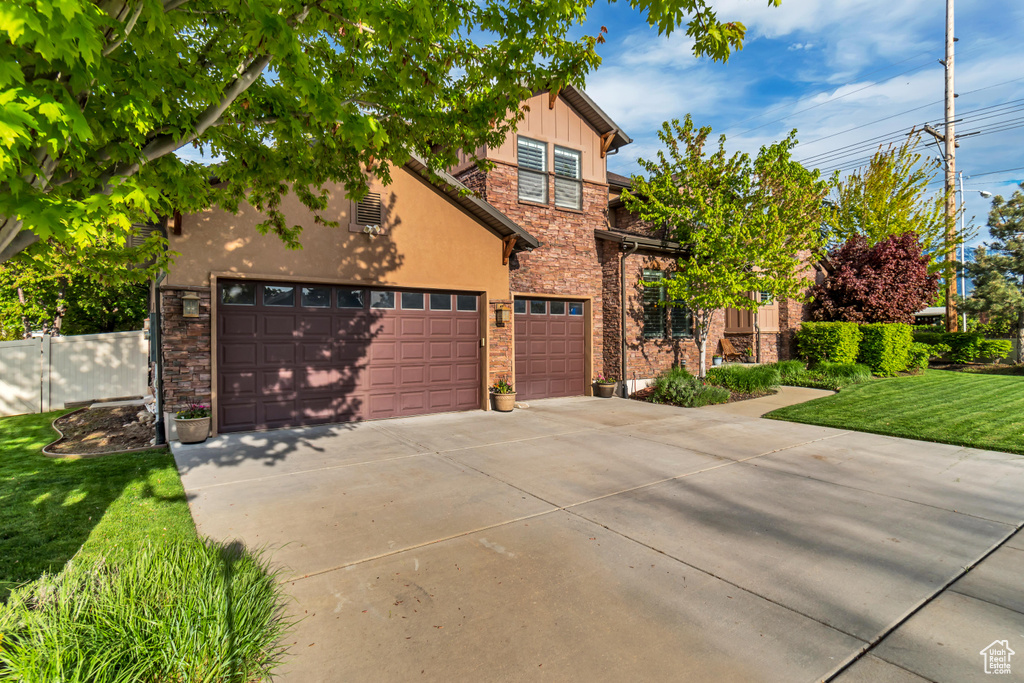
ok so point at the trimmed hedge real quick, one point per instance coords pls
(829, 342)
(918, 355)
(966, 347)
(885, 347)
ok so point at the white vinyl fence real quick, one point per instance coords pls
(44, 373)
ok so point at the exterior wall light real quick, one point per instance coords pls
(189, 305)
(503, 315)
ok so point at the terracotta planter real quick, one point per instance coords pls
(504, 403)
(604, 390)
(192, 431)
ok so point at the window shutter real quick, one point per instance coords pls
(368, 211)
(654, 315)
(766, 298)
(533, 177)
(568, 188)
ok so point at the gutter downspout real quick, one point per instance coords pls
(156, 347)
(622, 310)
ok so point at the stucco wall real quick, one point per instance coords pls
(430, 243)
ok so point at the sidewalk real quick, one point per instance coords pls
(756, 407)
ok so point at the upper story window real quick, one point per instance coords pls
(766, 298)
(568, 179)
(533, 167)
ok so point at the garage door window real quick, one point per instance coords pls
(316, 297)
(465, 302)
(556, 307)
(350, 298)
(382, 299)
(440, 302)
(576, 308)
(274, 295)
(520, 306)
(538, 307)
(412, 301)
(238, 294)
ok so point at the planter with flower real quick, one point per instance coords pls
(503, 395)
(604, 387)
(193, 423)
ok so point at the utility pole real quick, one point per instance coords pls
(950, 143)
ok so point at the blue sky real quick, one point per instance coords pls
(824, 67)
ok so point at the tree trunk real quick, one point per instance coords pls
(702, 364)
(1020, 337)
(24, 318)
(62, 307)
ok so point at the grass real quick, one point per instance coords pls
(106, 506)
(172, 612)
(834, 376)
(756, 379)
(979, 411)
(103, 578)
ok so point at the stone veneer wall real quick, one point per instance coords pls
(499, 344)
(567, 263)
(791, 315)
(186, 344)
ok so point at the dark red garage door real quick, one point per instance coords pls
(550, 349)
(298, 354)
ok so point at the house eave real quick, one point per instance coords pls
(648, 243)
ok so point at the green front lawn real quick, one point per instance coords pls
(980, 411)
(108, 505)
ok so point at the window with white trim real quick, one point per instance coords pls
(766, 298)
(533, 170)
(568, 179)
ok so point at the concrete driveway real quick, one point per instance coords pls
(588, 539)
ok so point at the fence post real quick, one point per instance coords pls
(44, 374)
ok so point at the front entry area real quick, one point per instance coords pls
(291, 354)
(550, 348)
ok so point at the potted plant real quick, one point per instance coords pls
(504, 396)
(604, 386)
(748, 355)
(716, 360)
(193, 423)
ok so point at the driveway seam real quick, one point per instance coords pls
(924, 602)
(953, 589)
(884, 495)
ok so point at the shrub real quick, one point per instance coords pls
(918, 355)
(832, 376)
(757, 379)
(845, 373)
(996, 349)
(837, 342)
(790, 369)
(885, 347)
(187, 611)
(965, 347)
(679, 387)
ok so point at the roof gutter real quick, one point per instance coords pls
(622, 311)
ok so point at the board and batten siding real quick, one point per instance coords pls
(46, 373)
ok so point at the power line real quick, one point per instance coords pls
(824, 92)
(1005, 170)
(834, 99)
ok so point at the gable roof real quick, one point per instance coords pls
(495, 220)
(595, 116)
(616, 180)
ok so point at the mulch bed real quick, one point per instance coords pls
(102, 430)
(645, 395)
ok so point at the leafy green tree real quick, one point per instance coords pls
(288, 95)
(889, 197)
(51, 290)
(998, 267)
(748, 224)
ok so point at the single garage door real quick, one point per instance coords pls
(299, 354)
(550, 349)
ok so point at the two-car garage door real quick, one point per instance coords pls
(292, 354)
